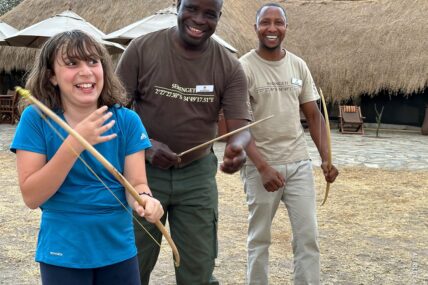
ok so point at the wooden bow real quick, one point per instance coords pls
(128, 187)
(329, 155)
(224, 136)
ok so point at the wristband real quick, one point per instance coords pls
(145, 193)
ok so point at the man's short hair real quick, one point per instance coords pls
(270, 5)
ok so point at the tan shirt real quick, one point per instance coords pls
(279, 88)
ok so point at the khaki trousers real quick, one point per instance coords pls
(298, 195)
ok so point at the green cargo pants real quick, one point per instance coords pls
(190, 199)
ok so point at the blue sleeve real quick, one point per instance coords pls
(136, 134)
(29, 134)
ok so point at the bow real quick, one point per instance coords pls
(128, 187)
(329, 155)
(224, 136)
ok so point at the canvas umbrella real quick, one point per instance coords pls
(35, 35)
(6, 31)
(162, 19)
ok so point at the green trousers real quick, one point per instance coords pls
(190, 199)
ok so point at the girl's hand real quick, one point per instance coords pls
(153, 211)
(93, 127)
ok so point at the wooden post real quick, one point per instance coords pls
(424, 128)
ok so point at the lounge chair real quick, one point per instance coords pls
(350, 120)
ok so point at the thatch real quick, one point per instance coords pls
(351, 47)
(355, 47)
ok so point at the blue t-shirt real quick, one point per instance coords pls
(83, 225)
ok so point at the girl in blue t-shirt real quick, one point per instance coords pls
(86, 232)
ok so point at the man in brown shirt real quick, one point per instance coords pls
(178, 80)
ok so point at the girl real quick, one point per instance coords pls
(86, 233)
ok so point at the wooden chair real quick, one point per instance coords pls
(350, 120)
(8, 110)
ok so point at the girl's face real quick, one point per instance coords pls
(80, 81)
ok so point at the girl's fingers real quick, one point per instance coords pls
(139, 209)
(101, 110)
(107, 138)
(98, 114)
(101, 118)
(106, 116)
(104, 129)
(107, 126)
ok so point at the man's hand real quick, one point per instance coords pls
(330, 175)
(272, 180)
(161, 156)
(233, 159)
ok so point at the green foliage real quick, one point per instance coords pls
(6, 5)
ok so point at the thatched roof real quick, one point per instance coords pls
(351, 47)
(355, 47)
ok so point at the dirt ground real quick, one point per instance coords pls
(373, 230)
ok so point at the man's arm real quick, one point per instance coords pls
(272, 180)
(127, 70)
(234, 152)
(318, 133)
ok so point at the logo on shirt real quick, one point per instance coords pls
(143, 136)
(56, 253)
(204, 88)
(296, 81)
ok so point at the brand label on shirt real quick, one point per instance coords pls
(296, 81)
(204, 88)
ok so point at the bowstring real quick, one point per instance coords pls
(96, 175)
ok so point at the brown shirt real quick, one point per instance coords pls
(179, 99)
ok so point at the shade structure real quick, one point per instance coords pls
(163, 19)
(35, 35)
(6, 31)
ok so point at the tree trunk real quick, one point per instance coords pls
(424, 128)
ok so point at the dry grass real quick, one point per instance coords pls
(373, 230)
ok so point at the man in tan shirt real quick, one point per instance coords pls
(279, 168)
